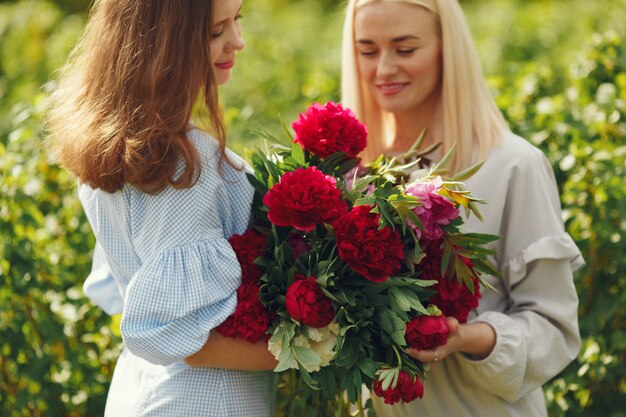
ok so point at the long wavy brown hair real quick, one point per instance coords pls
(121, 109)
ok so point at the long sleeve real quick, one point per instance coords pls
(100, 286)
(168, 256)
(536, 338)
(536, 319)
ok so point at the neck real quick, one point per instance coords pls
(410, 125)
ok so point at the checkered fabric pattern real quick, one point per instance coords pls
(165, 262)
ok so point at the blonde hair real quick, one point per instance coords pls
(470, 115)
(121, 110)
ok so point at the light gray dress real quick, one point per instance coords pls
(534, 312)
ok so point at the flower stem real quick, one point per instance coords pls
(395, 349)
(359, 405)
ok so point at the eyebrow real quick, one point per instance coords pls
(225, 20)
(394, 40)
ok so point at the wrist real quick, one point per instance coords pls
(477, 339)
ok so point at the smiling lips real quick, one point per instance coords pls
(225, 65)
(389, 89)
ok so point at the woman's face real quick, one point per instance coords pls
(399, 55)
(226, 37)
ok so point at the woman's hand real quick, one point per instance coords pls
(477, 339)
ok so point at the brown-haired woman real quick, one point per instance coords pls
(162, 198)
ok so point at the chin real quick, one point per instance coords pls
(222, 77)
(391, 107)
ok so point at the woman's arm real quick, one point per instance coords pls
(536, 337)
(237, 354)
(475, 339)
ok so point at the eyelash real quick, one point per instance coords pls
(406, 51)
(217, 34)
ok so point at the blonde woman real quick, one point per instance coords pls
(162, 197)
(410, 65)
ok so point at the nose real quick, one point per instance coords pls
(236, 42)
(386, 65)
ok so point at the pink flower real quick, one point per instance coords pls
(324, 130)
(435, 210)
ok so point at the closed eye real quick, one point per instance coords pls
(368, 52)
(217, 33)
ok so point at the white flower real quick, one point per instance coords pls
(314, 350)
(323, 342)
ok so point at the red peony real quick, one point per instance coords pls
(250, 320)
(307, 303)
(324, 130)
(248, 247)
(372, 252)
(426, 332)
(453, 298)
(303, 199)
(407, 389)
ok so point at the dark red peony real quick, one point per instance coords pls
(298, 244)
(426, 332)
(303, 199)
(374, 253)
(248, 247)
(407, 389)
(453, 298)
(307, 303)
(250, 320)
(324, 130)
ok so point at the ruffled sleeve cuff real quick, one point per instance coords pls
(177, 298)
(502, 372)
(548, 247)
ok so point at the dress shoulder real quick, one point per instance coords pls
(519, 179)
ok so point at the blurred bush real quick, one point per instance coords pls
(57, 350)
(582, 129)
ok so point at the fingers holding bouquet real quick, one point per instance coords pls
(443, 341)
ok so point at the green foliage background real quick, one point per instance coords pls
(557, 69)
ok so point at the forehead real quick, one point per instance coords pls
(225, 9)
(392, 19)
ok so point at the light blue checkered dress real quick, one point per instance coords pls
(164, 262)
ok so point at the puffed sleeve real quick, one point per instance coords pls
(100, 286)
(537, 334)
(188, 275)
(177, 297)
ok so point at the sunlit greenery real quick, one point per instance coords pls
(557, 69)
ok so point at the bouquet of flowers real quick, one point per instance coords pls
(347, 265)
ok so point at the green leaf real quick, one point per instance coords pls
(305, 355)
(468, 172)
(297, 153)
